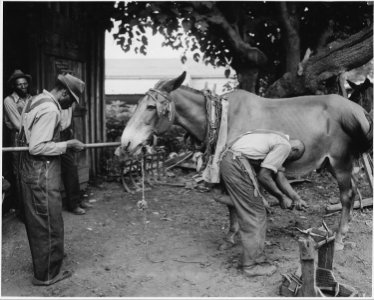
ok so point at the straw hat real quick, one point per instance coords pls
(18, 74)
(74, 85)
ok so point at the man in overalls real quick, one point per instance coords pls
(19, 83)
(41, 174)
(263, 153)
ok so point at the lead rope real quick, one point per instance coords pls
(143, 206)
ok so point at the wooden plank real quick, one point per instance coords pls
(335, 207)
(368, 169)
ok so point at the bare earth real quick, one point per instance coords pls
(113, 253)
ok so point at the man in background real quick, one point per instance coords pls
(19, 84)
(69, 168)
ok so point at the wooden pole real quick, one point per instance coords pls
(92, 145)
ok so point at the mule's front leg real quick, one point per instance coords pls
(347, 197)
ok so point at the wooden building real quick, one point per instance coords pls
(45, 39)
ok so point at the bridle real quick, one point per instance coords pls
(165, 110)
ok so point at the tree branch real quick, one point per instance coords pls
(253, 54)
(333, 60)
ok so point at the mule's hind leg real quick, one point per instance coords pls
(347, 197)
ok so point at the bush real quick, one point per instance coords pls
(117, 115)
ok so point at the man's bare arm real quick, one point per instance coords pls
(265, 177)
(285, 186)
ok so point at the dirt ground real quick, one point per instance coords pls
(171, 249)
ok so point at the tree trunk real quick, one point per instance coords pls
(247, 78)
(290, 25)
(338, 57)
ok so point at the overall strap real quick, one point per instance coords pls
(37, 103)
(28, 108)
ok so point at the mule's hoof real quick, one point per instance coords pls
(225, 246)
(339, 246)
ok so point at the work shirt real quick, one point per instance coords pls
(272, 148)
(13, 106)
(39, 125)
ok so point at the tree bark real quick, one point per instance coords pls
(338, 57)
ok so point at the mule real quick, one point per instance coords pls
(333, 129)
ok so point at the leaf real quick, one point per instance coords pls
(186, 25)
(196, 57)
(144, 40)
(227, 73)
(183, 59)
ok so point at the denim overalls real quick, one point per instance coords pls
(40, 181)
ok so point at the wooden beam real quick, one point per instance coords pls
(338, 206)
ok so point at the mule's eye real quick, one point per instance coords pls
(151, 107)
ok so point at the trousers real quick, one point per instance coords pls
(250, 209)
(40, 181)
(69, 174)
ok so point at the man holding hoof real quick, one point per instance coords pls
(261, 153)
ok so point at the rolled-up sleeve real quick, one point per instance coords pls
(276, 157)
(41, 135)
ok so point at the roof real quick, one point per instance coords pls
(158, 68)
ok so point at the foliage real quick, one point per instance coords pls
(244, 34)
(117, 114)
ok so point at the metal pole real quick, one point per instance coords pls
(92, 145)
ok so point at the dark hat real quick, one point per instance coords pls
(74, 85)
(18, 74)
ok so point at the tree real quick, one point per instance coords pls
(257, 39)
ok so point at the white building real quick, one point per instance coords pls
(136, 76)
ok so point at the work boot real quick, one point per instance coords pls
(85, 204)
(78, 211)
(262, 269)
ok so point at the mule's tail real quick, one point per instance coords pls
(358, 124)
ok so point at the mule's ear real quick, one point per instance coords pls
(366, 83)
(352, 84)
(173, 84)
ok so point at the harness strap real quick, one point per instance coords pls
(162, 124)
(213, 105)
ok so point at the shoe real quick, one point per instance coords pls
(85, 204)
(263, 269)
(78, 211)
(61, 276)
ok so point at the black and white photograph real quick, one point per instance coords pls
(187, 149)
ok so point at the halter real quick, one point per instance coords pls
(165, 110)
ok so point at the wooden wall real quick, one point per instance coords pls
(47, 38)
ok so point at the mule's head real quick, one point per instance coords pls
(154, 114)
